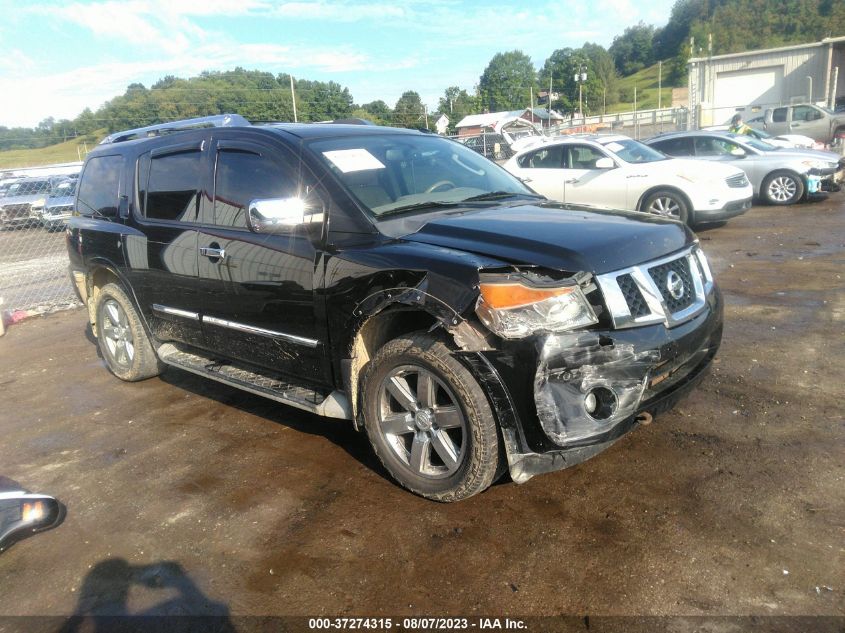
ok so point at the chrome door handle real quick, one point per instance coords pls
(571, 181)
(213, 253)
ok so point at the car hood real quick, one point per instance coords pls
(31, 197)
(806, 154)
(558, 237)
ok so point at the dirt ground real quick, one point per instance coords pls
(185, 496)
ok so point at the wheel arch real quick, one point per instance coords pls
(803, 178)
(101, 273)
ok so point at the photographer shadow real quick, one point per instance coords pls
(103, 601)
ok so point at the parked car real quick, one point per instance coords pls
(395, 279)
(5, 184)
(616, 172)
(24, 202)
(778, 175)
(817, 122)
(790, 141)
(59, 206)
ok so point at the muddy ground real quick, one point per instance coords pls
(185, 496)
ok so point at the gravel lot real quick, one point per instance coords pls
(184, 496)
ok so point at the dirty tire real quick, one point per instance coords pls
(667, 204)
(121, 337)
(782, 187)
(449, 450)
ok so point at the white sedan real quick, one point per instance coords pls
(616, 172)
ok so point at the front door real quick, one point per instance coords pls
(585, 183)
(260, 288)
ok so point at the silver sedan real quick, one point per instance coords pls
(778, 175)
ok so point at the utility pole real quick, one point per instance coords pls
(580, 78)
(659, 85)
(293, 98)
(425, 110)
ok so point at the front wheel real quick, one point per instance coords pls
(122, 338)
(782, 187)
(428, 420)
(667, 204)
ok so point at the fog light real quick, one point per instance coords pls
(600, 403)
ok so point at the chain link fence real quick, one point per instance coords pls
(33, 256)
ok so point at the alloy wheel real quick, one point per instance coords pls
(117, 333)
(665, 206)
(421, 422)
(782, 188)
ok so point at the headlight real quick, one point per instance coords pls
(513, 309)
(816, 164)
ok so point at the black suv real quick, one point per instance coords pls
(393, 278)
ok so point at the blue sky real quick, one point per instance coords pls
(58, 57)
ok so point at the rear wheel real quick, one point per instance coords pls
(428, 420)
(782, 187)
(123, 341)
(667, 204)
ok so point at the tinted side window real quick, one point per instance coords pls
(99, 186)
(242, 176)
(675, 146)
(584, 157)
(172, 191)
(805, 113)
(546, 158)
(779, 115)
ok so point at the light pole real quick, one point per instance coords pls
(580, 78)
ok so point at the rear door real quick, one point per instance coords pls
(780, 122)
(542, 170)
(162, 257)
(260, 288)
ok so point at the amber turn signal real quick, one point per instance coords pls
(515, 295)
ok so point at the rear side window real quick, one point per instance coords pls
(172, 186)
(779, 115)
(242, 176)
(675, 146)
(99, 186)
(546, 158)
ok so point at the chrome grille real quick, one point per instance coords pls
(633, 297)
(663, 276)
(670, 290)
(738, 181)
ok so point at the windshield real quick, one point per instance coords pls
(397, 173)
(632, 151)
(63, 189)
(761, 145)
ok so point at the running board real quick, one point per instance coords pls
(329, 404)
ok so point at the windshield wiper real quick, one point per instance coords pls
(433, 204)
(498, 195)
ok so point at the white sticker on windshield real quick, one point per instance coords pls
(615, 147)
(349, 160)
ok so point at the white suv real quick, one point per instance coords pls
(617, 172)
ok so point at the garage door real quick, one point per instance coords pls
(740, 88)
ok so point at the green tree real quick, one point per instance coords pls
(409, 111)
(632, 51)
(378, 112)
(507, 82)
(456, 103)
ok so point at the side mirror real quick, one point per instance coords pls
(738, 152)
(22, 514)
(605, 163)
(282, 215)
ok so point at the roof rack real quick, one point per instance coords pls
(217, 120)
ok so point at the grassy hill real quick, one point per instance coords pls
(69, 151)
(646, 83)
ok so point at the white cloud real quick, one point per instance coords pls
(339, 11)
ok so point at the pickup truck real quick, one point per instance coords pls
(817, 122)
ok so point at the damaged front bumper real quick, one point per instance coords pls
(591, 387)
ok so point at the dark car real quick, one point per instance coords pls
(393, 278)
